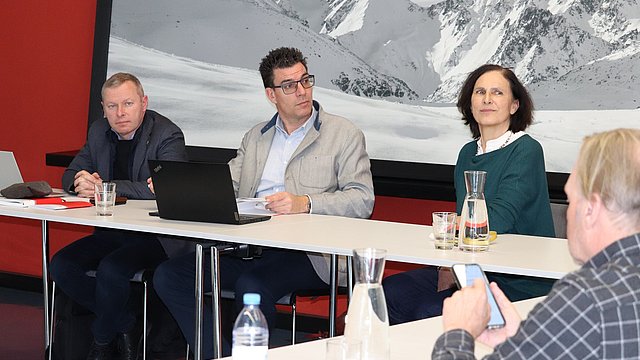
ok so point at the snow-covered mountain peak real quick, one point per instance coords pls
(344, 17)
(410, 51)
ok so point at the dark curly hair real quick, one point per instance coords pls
(519, 121)
(280, 58)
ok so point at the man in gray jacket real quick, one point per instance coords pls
(303, 160)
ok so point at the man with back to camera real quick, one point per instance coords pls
(303, 160)
(117, 149)
(593, 312)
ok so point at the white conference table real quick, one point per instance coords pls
(408, 341)
(511, 254)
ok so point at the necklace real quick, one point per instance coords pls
(501, 146)
(506, 142)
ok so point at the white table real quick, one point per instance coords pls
(408, 341)
(512, 254)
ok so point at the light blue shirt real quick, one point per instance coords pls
(282, 147)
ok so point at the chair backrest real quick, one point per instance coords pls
(559, 214)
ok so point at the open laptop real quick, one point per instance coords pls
(9, 171)
(197, 192)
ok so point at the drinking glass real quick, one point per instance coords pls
(105, 198)
(444, 229)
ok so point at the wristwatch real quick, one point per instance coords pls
(308, 203)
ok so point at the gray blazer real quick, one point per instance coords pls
(331, 165)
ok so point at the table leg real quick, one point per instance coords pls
(215, 302)
(45, 281)
(333, 272)
(197, 351)
(349, 278)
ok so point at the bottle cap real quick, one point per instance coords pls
(251, 299)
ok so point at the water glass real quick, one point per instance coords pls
(444, 229)
(105, 198)
(343, 349)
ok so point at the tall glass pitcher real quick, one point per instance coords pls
(474, 220)
(367, 319)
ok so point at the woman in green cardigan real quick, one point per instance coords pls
(498, 109)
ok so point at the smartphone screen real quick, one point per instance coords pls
(465, 274)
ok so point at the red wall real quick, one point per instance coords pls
(45, 72)
(412, 211)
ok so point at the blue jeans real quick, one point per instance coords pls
(116, 256)
(276, 273)
(413, 295)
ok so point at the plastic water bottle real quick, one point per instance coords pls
(250, 331)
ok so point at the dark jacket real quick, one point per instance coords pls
(159, 139)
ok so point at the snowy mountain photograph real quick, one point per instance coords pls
(393, 67)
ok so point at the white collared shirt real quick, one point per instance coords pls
(282, 147)
(500, 142)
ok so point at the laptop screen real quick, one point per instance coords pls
(196, 192)
(9, 171)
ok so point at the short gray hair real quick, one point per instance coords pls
(120, 78)
(609, 165)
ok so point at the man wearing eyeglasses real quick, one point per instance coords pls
(303, 160)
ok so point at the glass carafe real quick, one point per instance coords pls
(367, 319)
(474, 220)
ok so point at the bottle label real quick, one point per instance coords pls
(240, 352)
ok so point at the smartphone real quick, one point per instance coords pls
(120, 200)
(464, 275)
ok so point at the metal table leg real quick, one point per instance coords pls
(197, 351)
(349, 278)
(215, 302)
(45, 282)
(333, 272)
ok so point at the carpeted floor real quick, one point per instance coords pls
(21, 326)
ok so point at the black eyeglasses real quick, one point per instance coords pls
(289, 87)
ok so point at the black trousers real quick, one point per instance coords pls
(116, 256)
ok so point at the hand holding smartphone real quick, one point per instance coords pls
(464, 275)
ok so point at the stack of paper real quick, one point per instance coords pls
(253, 206)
